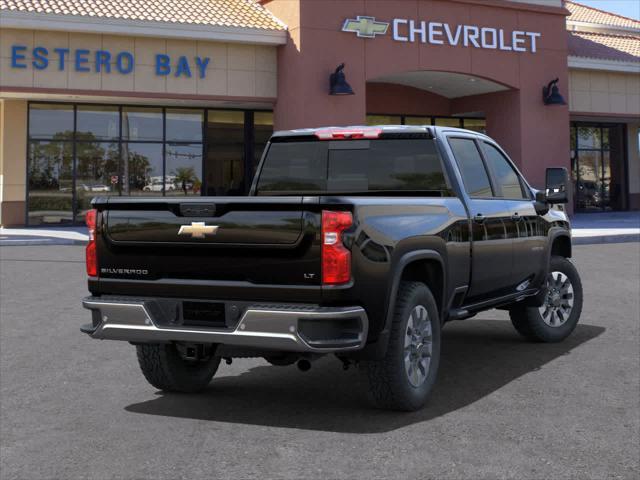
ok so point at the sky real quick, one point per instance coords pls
(628, 8)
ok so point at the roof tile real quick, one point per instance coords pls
(224, 13)
(582, 13)
(624, 48)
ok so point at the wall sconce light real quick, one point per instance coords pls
(551, 94)
(338, 82)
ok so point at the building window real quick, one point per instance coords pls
(225, 153)
(142, 148)
(384, 120)
(475, 124)
(184, 168)
(51, 122)
(262, 131)
(143, 169)
(50, 173)
(78, 152)
(184, 125)
(97, 172)
(448, 122)
(417, 121)
(598, 166)
(142, 124)
(97, 123)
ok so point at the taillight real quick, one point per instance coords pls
(348, 133)
(92, 253)
(336, 259)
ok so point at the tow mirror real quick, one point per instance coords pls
(556, 187)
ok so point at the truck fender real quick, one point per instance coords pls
(554, 235)
(405, 260)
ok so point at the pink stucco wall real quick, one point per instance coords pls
(536, 136)
(393, 99)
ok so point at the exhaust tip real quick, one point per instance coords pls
(304, 365)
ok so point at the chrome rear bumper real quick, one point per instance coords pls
(290, 328)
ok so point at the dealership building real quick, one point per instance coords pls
(178, 97)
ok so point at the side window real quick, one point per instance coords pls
(474, 173)
(505, 175)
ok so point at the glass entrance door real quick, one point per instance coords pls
(598, 167)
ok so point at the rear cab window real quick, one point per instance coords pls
(474, 174)
(353, 167)
(506, 176)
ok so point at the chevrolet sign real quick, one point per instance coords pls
(437, 33)
(365, 27)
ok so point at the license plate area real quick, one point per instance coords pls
(203, 314)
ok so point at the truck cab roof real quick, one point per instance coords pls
(369, 131)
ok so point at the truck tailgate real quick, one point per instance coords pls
(240, 221)
(259, 240)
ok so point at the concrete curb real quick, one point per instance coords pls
(39, 236)
(606, 239)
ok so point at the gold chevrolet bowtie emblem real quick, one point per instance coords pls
(365, 27)
(198, 230)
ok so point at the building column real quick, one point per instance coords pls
(304, 66)
(633, 174)
(534, 135)
(13, 162)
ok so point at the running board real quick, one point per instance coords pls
(460, 314)
(467, 311)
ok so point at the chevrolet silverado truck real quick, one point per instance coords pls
(360, 242)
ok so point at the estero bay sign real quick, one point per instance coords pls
(98, 61)
(439, 33)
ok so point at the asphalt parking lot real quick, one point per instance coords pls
(74, 408)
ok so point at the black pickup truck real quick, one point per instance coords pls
(360, 242)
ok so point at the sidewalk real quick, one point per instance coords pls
(607, 227)
(43, 236)
(588, 228)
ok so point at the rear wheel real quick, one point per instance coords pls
(558, 316)
(166, 368)
(403, 379)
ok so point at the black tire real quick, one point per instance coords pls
(388, 379)
(529, 321)
(165, 369)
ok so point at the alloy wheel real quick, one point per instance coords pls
(418, 344)
(559, 300)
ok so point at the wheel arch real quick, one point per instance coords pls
(560, 245)
(425, 266)
(430, 272)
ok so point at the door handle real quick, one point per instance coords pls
(479, 218)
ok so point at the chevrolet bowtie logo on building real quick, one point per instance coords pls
(365, 27)
(198, 230)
